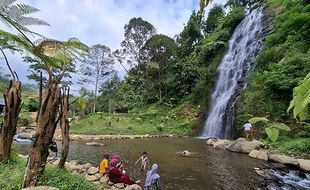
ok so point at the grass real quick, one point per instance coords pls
(11, 177)
(152, 119)
(293, 146)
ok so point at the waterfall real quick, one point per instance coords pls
(243, 46)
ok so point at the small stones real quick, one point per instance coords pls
(92, 170)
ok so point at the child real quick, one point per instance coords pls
(144, 161)
(103, 167)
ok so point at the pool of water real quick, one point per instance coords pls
(211, 169)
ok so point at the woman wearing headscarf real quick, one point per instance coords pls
(113, 163)
(152, 179)
(116, 174)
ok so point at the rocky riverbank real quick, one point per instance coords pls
(91, 174)
(254, 150)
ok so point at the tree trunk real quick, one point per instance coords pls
(95, 99)
(45, 129)
(64, 125)
(40, 95)
(12, 108)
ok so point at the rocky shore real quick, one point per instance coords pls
(254, 150)
(91, 173)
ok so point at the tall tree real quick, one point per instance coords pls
(97, 66)
(160, 49)
(190, 36)
(137, 32)
(215, 14)
(108, 92)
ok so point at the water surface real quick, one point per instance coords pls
(212, 169)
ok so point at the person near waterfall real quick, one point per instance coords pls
(248, 130)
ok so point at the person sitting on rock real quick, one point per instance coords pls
(152, 179)
(103, 166)
(116, 174)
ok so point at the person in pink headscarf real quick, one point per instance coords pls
(116, 174)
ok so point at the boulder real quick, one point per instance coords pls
(211, 141)
(98, 176)
(86, 166)
(119, 185)
(104, 179)
(133, 187)
(94, 144)
(221, 144)
(283, 159)
(41, 188)
(110, 183)
(243, 146)
(76, 137)
(259, 154)
(90, 178)
(92, 170)
(97, 183)
(25, 135)
(74, 162)
(304, 164)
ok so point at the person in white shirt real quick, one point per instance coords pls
(248, 130)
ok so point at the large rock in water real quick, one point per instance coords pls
(304, 164)
(258, 154)
(243, 146)
(221, 144)
(283, 159)
(41, 188)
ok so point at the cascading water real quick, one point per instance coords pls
(242, 48)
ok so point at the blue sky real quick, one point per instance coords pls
(102, 21)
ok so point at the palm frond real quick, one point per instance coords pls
(5, 3)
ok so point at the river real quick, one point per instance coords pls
(211, 169)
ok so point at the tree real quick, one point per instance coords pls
(160, 49)
(81, 105)
(203, 4)
(109, 94)
(97, 66)
(190, 36)
(137, 32)
(56, 57)
(14, 15)
(215, 15)
(64, 125)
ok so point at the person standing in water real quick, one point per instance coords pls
(144, 161)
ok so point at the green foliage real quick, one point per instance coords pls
(151, 119)
(254, 120)
(293, 146)
(215, 15)
(62, 179)
(12, 174)
(301, 100)
(272, 133)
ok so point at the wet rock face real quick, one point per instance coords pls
(304, 164)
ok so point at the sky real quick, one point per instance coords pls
(102, 21)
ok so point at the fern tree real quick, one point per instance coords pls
(56, 58)
(14, 15)
(301, 100)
